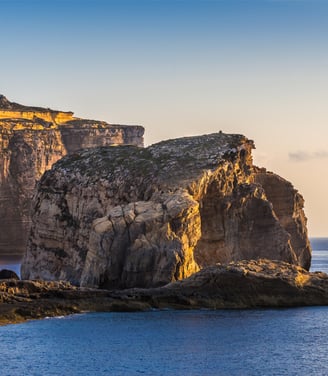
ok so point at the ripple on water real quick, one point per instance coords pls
(246, 342)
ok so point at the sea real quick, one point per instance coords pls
(200, 342)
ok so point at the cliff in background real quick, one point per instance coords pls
(32, 139)
(120, 217)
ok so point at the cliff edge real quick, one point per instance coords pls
(32, 139)
(124, 216)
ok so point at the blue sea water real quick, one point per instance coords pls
(319, 254)
(253, 342)
(241, 342)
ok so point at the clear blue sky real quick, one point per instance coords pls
(184, 67)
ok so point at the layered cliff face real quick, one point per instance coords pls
(32, 139)
(124, 216)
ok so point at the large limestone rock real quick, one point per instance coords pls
(32, 139)
(120, 217)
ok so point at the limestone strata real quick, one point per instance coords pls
(24, 155)
(11, 110)
(245, 284)
(119, 217)
(81, 134)
(32, 139)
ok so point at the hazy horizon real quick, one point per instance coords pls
(181, 68)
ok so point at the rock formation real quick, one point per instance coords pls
(238, 285)
(32, 139)
(244, 284)
(120, 217)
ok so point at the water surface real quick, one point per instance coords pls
(246, 342)
(319, 254)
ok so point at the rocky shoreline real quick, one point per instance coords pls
(238, 285)
(161, 227)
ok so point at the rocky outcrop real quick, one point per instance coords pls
(32, 139)
(120, 217)
(239, 285)
(245, 284)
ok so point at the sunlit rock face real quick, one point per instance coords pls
(32, 139)
(125, 216)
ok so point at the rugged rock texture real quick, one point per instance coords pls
(32, 139)
(120, 217)
(245, 284)
(24, 155)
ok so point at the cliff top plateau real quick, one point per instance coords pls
(47, 117)
(12, 110)
(6, 105)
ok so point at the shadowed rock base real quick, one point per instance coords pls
(238, 285)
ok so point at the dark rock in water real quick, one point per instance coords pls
(121, 217)
(8, 274)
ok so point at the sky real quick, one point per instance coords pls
(184, 67)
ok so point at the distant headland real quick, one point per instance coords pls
(32, 139)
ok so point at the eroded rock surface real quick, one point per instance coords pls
(32, 139)
(120, 217)
(241, 284)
